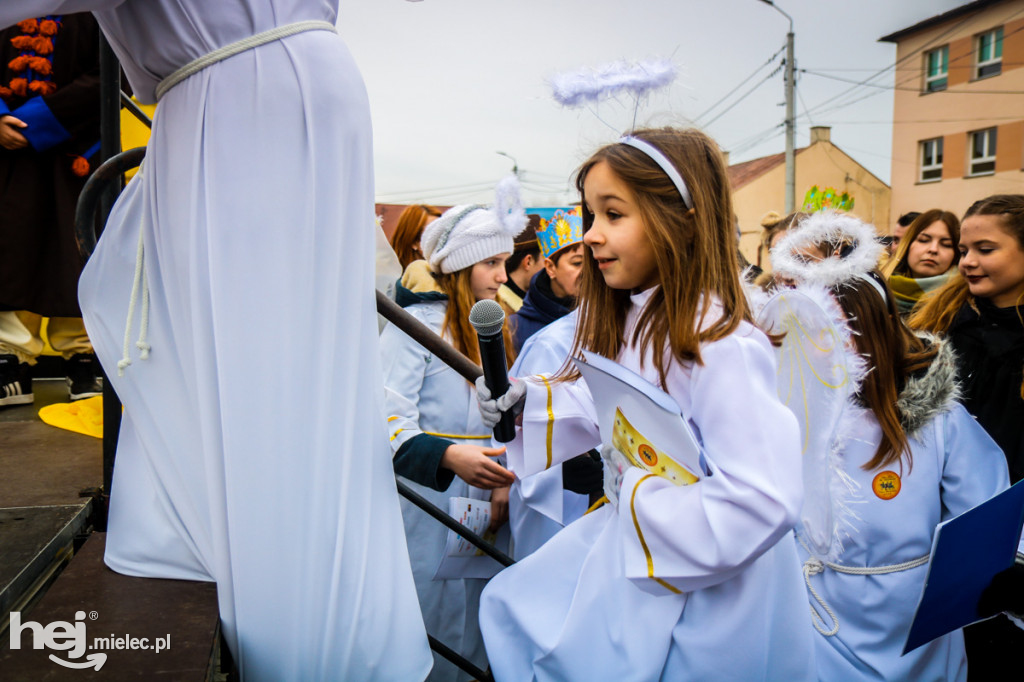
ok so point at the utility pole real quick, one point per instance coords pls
(790, 113)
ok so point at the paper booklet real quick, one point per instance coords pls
(641, 421)
(461, 558)
(967, 552)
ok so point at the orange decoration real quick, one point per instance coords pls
(48, 27)
(18, 63)
(42, 87)
(19, 86)
(28, 26)
(5, 92)
(41, 45)
(80, 166)
(23, 42)
(40, 65)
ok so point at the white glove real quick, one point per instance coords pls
(615, 466)
(490, 409)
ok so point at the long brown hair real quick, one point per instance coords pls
(695, 252)
(409, 230)
(456, 326)
(892, 353)
(898, 265)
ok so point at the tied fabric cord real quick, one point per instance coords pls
(139, 285)
(814, 566)
(230, 50)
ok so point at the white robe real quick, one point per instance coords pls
(697, 582)
(538, 506)
(426, 395)
(253, 449)
(955, 467)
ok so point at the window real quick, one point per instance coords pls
(931, 160)
(988, 53)
(983, 152)
(936, 69)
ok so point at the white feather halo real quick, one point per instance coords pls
(576, 88)
(836, 229)
(508, 205)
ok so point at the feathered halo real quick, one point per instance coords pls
(589, 85)
(854, 251)
(508, 205)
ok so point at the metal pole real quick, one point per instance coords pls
(110, 146)
(790, 123)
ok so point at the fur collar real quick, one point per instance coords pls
(930, 392)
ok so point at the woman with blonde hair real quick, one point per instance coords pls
(925, 259)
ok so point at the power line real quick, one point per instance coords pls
(896, 87)
(740, 85)
(729, 108)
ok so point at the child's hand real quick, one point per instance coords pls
(615, 466)
(491, 409)
(499, 509)
(473, 464)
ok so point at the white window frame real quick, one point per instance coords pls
(996, 35)
(987, 157)
(931, 82)
(931, 160)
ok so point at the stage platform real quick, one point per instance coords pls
(51, 568)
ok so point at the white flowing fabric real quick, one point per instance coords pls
(696, 582)
(253, 449)
(538, 505)
(956, 466)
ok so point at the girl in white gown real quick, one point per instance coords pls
(665, 582)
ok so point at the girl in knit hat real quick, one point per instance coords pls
(441, 447)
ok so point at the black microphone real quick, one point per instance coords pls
(488, 318)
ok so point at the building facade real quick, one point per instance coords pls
(958, 113)
(759, 186)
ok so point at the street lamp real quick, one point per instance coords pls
(790, 114)
(515, 164)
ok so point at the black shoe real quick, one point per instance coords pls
(15, 382)
(84, 379)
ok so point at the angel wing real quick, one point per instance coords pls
(819, 372)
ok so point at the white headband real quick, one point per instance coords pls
(662, 160)
(876, 284)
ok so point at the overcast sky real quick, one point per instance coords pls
(452, 82)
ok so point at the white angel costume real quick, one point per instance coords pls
(691, 582)
(865, 557)
(424, 395)
(253, 450)
(539, 506)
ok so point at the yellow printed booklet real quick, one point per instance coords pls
(641, 421)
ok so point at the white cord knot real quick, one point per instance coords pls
(813, 566)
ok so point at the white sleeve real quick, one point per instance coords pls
(974, 469)
(558, 423)
(685, 538)
(405, 364)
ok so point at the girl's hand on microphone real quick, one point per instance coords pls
(491, 409)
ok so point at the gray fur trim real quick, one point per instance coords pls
(924, 397)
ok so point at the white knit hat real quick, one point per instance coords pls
(468, 234)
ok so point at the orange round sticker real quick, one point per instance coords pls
(886, 485)
(647, 454)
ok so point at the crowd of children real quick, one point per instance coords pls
(713, 580)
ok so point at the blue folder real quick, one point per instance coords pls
(967, 552)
